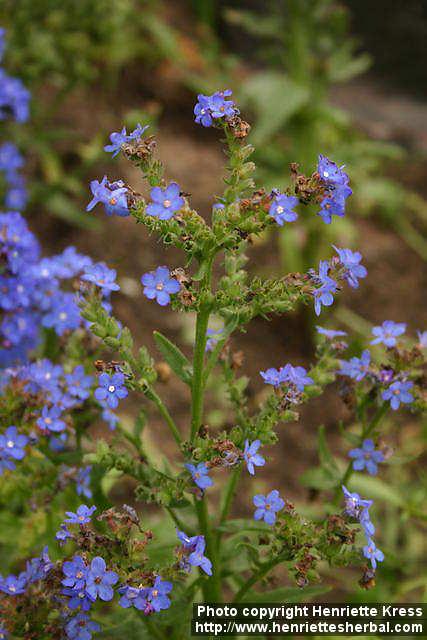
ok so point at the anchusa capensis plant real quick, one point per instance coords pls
(61, 382)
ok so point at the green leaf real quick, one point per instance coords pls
(240, 524)
(275, 99)
(174, 357)
(287, 594)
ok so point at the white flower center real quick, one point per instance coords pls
(45, 273)
(326, 174)
(167, 204)
(160, 286)
(280, 209)
(62, 315)
(111, 388)
(20, 288)
(10, 444)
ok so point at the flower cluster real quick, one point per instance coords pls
(358, 508)
(211, 109)
(337, 189)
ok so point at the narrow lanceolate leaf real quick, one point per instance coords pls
(327, 460)
(174, 357)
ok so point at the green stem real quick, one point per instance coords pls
(212, 586)
(229, 495)
(165, 414)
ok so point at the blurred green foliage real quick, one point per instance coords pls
(304, 49)
(73, 50)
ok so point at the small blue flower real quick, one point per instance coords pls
(354, 504)
(64, 314)
(118, 139)
(366, 457)
(50, 420)
(75, 572)
(209, 108)
(78, 383)
(200, 476)
(323, 296)
(78, 598)
(351, 263)
(135, 597)
(330, 334)
(110, 418)
(3, 633)
(252, 458)
(268, 506)
(422, 339)
(113, 195)
(194, 548)
(365, 521)
(14, 585)
(372, 553)
(12, 444)
(83, 482)
(296, 376)
(281, 209)
(111, 389)
(99, 581)
(158, 594)
(212, 338)
(101, 276)
(38, 568)
(62, 535)
(388, 332)
(165, 201)
(398, 393)
(159, 285)
(81, 627)
(330, 172)
(356, 368)
(273, 376)
(83, 515)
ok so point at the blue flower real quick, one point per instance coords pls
(13, 444)
(365, 521)
(83, 515)
(324, 294)
(101, 276)
(200, 476)
(273, 376)
(165, 201)
(50, 420)
(252, 458)
(81, 627)
(388, 332)
(110, 418)
(38, 568)
(353, 270)
(281, 209)
(212, 338)
(99, 581)
(135, 597)
(159, 285)
(422, 339)
(78, 598)
(268, 506)
(330, 334)
(372, 553)
(14, 98)
(398, 393)
(111, 389)
(14, 585)
(354, 504)
(296, 376)
(3, 633)
(62, 535)
(64, 314)
(75, 572)
(194, 548)
(330, 172)
(209, 108)
(78, 383)
(158, 594)
(83, 482)
(113, 195)
(367, 457)
(118, 139)
(356, 368)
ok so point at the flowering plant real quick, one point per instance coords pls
(59, 381)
